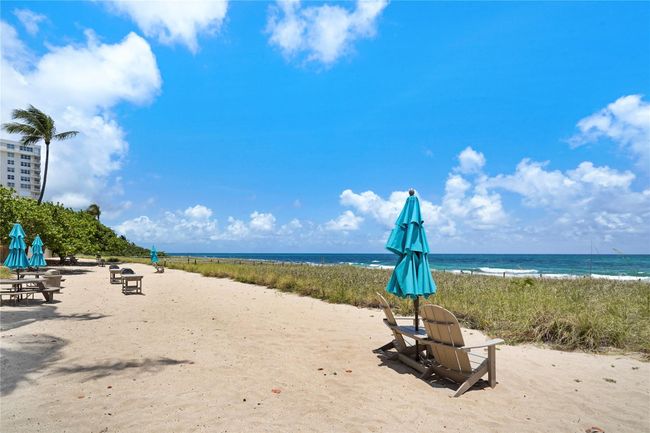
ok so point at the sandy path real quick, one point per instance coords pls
(203, 354)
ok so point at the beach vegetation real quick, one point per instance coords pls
(64, 231)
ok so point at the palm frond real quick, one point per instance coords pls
(36, 118)
(20, 128)
(27, 140)
(65, 135)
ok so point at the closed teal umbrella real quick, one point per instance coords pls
(154, 255)
(411, 277)
(17, 259)
(37, 260)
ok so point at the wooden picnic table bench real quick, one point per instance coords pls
(25, 288)
(131, 283)
(31, 274)
(115, 276)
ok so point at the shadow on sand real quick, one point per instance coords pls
(107, 368)
(72, 270)
(37, 312)
(435, 381)
(24, 355)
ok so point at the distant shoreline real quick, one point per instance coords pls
(633, 267)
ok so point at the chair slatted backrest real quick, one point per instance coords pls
(442, 327)
(52, 281)
(390, 318)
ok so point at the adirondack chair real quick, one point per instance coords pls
(405, 352)
(52, 278)
(451, 357)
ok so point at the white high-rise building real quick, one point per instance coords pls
(20, 167)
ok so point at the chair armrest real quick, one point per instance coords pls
(492, 342)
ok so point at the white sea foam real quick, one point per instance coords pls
(621, 277)
(501, 271)
(376, 266)
(514, 273)
(536, 274)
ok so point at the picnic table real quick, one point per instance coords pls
(23, 288)
(131, 283)
(31, 273)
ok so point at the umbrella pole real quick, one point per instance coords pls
(416, 306)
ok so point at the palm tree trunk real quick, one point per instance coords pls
(47, 158)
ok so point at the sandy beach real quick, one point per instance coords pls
(205, 354)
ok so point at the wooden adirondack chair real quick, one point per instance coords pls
(405, 352)
(451, 358)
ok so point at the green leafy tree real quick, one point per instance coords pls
(36, 126)
(63, 231)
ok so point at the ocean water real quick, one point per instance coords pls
(618, 266)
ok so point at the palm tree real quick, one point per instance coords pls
(36, 126)
(94, 210)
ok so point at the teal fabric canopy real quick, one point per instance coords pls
(37, 260)
(17, 259)
(411, 277)
(154, 255)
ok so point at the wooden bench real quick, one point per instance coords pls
(131, 283)
(48, 294)
(115, 276)
(16, 296)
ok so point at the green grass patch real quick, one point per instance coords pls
(5, 272)
(586, 314)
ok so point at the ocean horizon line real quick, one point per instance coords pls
(615, 266)
(392, 254)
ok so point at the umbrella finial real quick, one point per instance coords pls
(411, 192)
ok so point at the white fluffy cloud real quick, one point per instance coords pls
(625, 121)
(197, 224)
(198, 212)
(464, 204)
(174, 22)
(290, 227)
(29, 19)
(371, 204)
(347, 221)
(321, 33)
(470, 161)
(583, 186)
(192, 224)
(476, 207)
(585, 201)
(78, 85)
(262, 221)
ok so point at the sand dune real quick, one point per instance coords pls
(205, 354)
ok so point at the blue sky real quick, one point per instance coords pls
(259, 127)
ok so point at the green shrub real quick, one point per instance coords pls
(64, 231)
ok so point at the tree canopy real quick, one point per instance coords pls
(63, 230)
